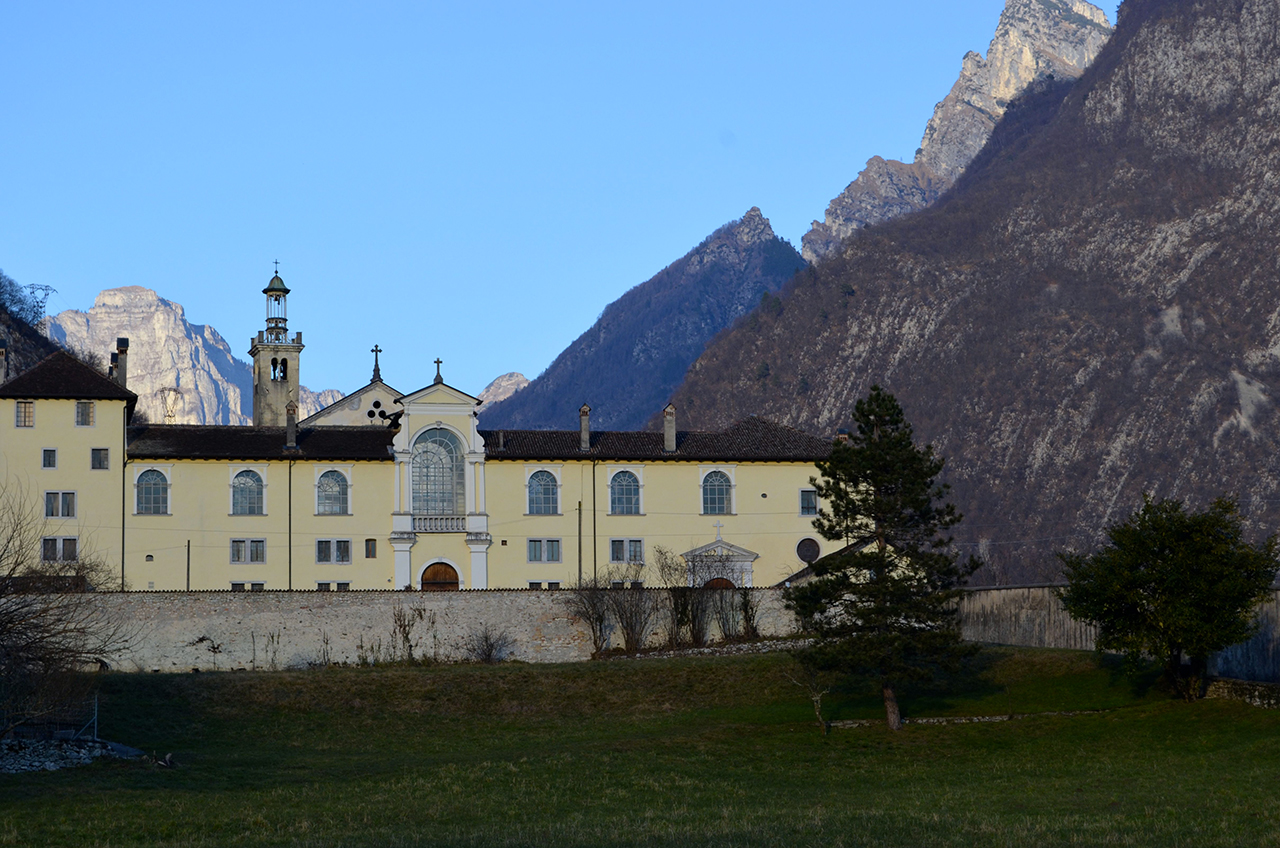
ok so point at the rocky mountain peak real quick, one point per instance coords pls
(183, 373)
(753, 228)
(1034, 39)
(502, 387)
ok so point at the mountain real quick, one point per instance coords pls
(502, 388)
(1093, 312)
(1034, 40)
(636, 353)
(166, 351)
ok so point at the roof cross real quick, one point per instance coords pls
(377, 372)
(438, 379)
(719, 526)
(277, 264)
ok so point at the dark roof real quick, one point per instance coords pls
(61, 376)
(750, 440)
(198, 441)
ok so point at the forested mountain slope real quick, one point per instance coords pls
(1093, 312)
(633, 357)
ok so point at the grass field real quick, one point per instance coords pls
(687, 752)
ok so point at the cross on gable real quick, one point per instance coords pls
(719, 526)
(438, 379)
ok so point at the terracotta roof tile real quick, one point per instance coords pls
(60, 376)
(750, 440)
(194, 441)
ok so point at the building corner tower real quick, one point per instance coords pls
(275, 360)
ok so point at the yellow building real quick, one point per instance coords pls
(390, 491)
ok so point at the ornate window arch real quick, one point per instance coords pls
(624, 494)
(439, 473)
(152, 493)
(717, 494)
(331, 493)
(247, 494)
(544, 494)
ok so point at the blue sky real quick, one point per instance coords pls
(473, 181)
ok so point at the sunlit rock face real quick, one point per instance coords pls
(502, 388)
(183, 373)
(1034, 40)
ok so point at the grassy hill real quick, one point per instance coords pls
(708, 751)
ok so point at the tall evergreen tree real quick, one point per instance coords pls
(884, 606)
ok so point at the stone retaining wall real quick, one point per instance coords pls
(181, 631)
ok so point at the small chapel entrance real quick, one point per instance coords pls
(719, 583)
(440, 577)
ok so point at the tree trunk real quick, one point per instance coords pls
(891, 711)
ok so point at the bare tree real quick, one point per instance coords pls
(51, 629)
(589, 603)
(488, 644)
(632, 606)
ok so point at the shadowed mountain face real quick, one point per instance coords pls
(1092, 313)
(631, 359)
(1034, 40)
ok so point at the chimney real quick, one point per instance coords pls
(669, 428)
(842, 435)
(291, 426)
(584, 418)
(111, 369)
(122, 363)
(4, 360)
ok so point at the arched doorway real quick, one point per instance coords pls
(439, 577)
(719, 583)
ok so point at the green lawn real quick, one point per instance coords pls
(711, 751)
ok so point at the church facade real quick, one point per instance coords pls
(384, 490)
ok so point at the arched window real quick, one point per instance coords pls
(439, 474)
(624, 494)
(717, 494)
(543, 496)
(153, 493)
(331, 493)
(246, 494)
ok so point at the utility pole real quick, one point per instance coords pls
(188, 565)
(579, 544)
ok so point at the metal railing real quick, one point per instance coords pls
(73, 720)
(439, 524)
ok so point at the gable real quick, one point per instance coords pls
(353, 410)
(439, 394)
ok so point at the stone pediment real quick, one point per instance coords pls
(439, 394)
(720, 549)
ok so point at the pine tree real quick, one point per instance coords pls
(883, 607)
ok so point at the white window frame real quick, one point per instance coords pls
(107, 466)
(261, 470)
(248, 551)
(333, 552)
(554, 471)
(320, 471)
(612, 471)
(626, 549)
(731, 472)
(544, 540)
(53, 467)
(93, 413)
(817, 502)
(167, 471)
(75, 503)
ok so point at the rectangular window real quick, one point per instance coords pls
(237, 587)
(255, 587)
(99, 458)
(24, 413)
(84, 413)
(344, 587)
(808, 501)
(322, 587)
(626, 550)
(370, 548)
(554, 584)
(535, 584)
(59, 504)
(333, 550)
(49, 458)
(54, 549)
(252, 551)
(544, 550)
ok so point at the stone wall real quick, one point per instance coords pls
(181, 631)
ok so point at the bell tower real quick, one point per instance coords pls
(275, 360)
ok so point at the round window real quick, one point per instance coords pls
(808, 550)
